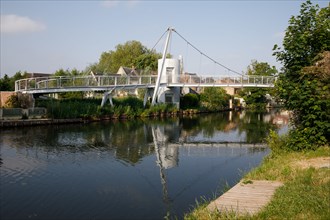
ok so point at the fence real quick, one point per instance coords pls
(20, 113)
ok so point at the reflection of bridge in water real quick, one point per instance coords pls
(167, 154)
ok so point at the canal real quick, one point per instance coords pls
(141, 169)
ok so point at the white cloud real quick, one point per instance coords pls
(15, 24)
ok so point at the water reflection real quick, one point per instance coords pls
(128, 140)
(108, 168)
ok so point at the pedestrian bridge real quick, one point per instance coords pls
(46, 85)
(165, 87)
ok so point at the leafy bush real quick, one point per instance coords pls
(12, 102)
(189, 101)
(214, 99)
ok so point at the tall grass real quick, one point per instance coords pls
(306, 196)
(128, 107)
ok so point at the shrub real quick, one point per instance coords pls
(189, 101)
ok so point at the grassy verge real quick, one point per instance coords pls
(305, 194)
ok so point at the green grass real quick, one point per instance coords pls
(307, 196)
(304, 195)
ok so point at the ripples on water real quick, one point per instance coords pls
(125, 170)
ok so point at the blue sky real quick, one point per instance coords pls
(44, 36)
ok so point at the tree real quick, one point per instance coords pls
(306, 36)
(5, 83)
(303, 85)
(8, 83)
(256, 97)
(62, 72)
(214, 98)
(148, 61)
(130, 54)
(124, 55)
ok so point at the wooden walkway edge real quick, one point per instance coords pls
(246, 198)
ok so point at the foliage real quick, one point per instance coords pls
(276, 142)
(5, 84)
(130, 54)
(19, 100)
(71, 95)
(306, 36)
(124, 55)
(214, 99)
(70, 108)
(256, 97)
(8, 83)
(189, 101)
(133, 102)
(304, 83)
(13, 102)
(128, 107)
(68, 72)
(148, 60)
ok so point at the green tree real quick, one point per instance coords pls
(124, 55)
(214, 98)
(305, 91)
(8, 83)
(5, 83)
(306, 36)
(148, 61)
(256, 97)
(92, 67)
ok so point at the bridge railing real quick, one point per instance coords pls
(243, 80)
(48, 83)
(81, 81)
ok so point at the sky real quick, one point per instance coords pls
(45, 36)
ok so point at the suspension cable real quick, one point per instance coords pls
(216, 62)
(159, 40)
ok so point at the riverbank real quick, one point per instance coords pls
(304, 195)
(33, 122)
(163, 113)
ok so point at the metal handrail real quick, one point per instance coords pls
(62, 82)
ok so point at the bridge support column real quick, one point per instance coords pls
(147, 95)
(106, 96)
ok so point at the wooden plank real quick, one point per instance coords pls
(246, 198)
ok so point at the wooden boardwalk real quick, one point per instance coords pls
(246, 198)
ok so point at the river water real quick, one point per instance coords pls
(142, 169)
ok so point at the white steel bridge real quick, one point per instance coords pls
(46, 85)
(163, 87)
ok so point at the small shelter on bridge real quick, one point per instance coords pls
(170, 74)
